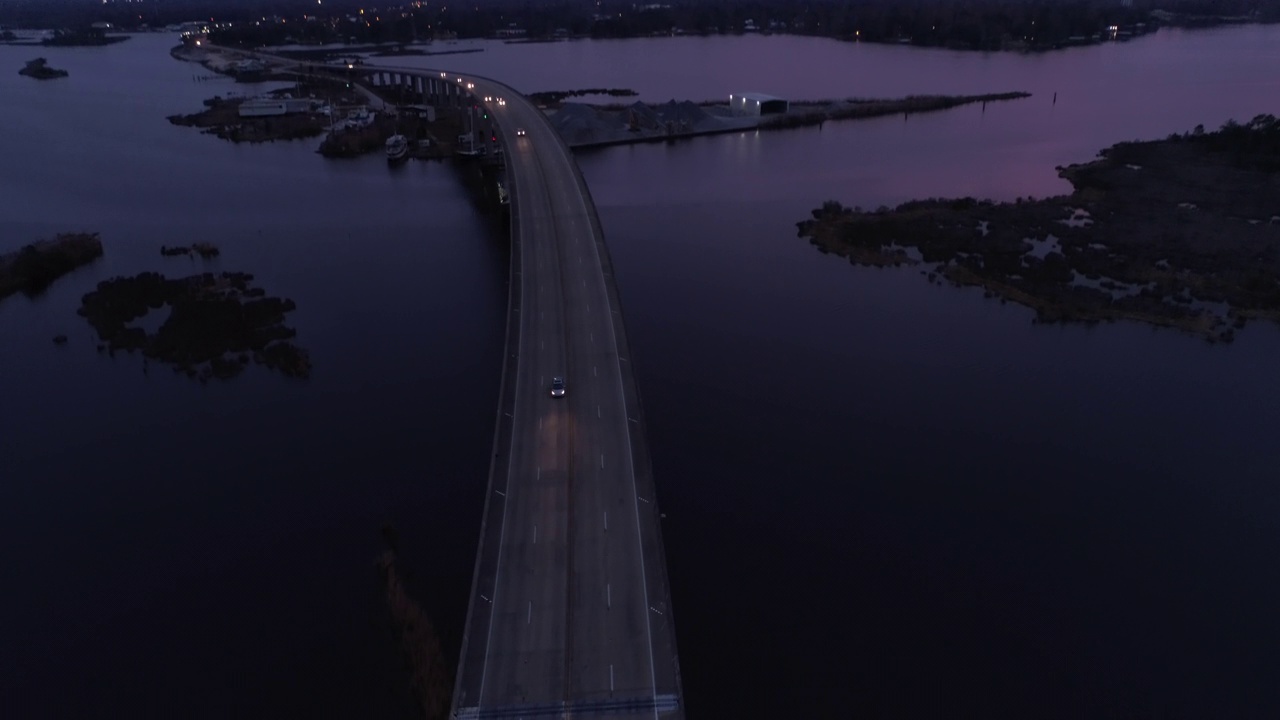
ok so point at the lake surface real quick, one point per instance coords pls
(883, 497)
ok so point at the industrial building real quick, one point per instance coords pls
(265, 107)
(757, 104)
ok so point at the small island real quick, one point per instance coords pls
(40, 70)
(1182, 232)
(205, 250)
(214, 324)
(34, 267)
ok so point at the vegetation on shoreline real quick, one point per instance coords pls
(35, 267)
(1182, 232)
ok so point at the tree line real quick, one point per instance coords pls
(963, 24)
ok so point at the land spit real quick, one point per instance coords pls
(816, 113)
(34, 267)
(584, 125)
(1182, 232)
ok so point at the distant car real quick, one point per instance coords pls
(519, 132)
(557, 387)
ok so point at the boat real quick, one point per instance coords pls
(397, 148)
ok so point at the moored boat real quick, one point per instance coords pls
(397, 148)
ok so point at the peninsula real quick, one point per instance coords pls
(1182, 232)
(34, 267)
(584, 125)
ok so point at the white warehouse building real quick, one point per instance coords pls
(757, 104)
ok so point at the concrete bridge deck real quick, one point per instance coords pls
(570, 612)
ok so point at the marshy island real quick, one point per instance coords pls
(214, 325)
(1182, 232)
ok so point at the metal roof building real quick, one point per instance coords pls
(757, 104)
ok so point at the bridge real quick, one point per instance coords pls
(570, 611)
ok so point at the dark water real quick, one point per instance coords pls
(173, 550)
(884, 498)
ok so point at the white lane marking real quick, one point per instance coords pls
(601, 459)
(535, 534)
(538, 476)
(642, 499)
(500, 493)
(592, 336)
(633, 420)
(611, 678)
(529, 621)
(595, 371)
(655, 609)
(482, 597)
(608, 595)
(588, 307)
(597, 411)
(542, 344)
(539, 314)
(606, 522)
(510, 415)
(539, 423)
